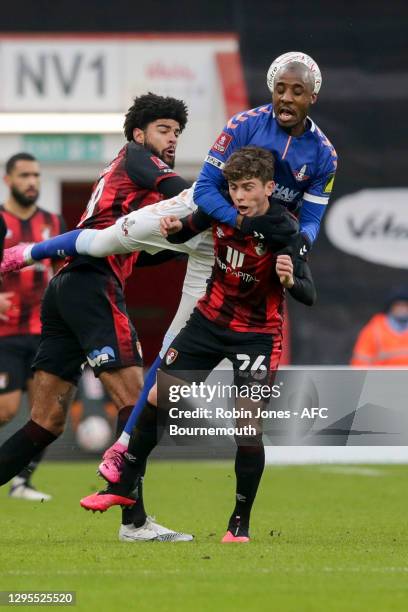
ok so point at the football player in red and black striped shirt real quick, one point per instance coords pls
(84, 315)
(240, 318)
(5, 301)
(21, 326)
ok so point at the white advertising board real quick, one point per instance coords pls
(74, 84)
(372, 224)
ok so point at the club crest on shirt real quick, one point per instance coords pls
(260, 248)
(300, 175)
(171, 356)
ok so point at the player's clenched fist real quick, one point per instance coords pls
(170, 225)
(284, 269)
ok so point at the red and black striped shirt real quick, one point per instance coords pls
(28, 284)
(244, 292)
(134, 179)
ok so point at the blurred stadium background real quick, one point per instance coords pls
(69, 72)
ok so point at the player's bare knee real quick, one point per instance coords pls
(123, 385)
(52, 418)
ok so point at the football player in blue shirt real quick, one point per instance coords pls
(305, 160)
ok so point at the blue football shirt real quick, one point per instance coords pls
(305, 167)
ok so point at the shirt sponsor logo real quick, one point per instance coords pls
(284, 193)
(245, 276)
(222, 143)
(214, 161)
(171, 356)
(300, 175)
(97, 357)
(159, 163)
(235, 257)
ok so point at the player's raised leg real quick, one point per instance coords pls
(133, 232)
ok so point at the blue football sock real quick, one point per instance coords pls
(60, 246)
(148, 384)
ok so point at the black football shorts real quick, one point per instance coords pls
(16, 356)
(84, 320)
(201, 345)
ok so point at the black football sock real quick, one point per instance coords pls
(249, 466)
(147, 432)
(27, 472)
(136, 514)
(122, 418)
(143, 439)
(21, 448)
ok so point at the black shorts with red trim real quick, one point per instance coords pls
(84, 320)
(201, 345)
(16, 356)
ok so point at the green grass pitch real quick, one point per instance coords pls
(324, 538)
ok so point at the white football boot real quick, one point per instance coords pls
(151, 531)
(20, 489)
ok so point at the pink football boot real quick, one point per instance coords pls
(111, 465)
(104, 500)
(16, 257)
(229, 537)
